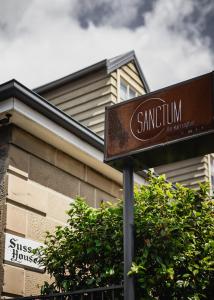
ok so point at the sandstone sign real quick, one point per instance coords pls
(170, 124)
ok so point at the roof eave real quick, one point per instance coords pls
(128, 57)
(143, 78)
(110, 65)
(13, 88)
(76, 75)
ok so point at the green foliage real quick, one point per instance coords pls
(87, 252)
(174, 230)
(174, 242)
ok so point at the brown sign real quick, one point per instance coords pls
(160, 118)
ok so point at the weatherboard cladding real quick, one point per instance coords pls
(77, 84)
(74, 76)
(128, 74)
(187, 172)
(109, 65)
(28, 154)
(86, 97)
(79, 98)
(39, 169)
(121, 60)
(83, 100)
(14, 88)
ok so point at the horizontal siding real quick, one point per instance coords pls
(187, 172)
(133, 68)
(76, 93)
(76, 84)
(97, 128)
(195, 176)
(95, 103)
(95, 111)
(113, 82)
(191, 161)
(127, 77)
(100, 133)
(133, 75)
(94, 120)
(136, 86)
(86, 98)
(114, 75)
(193, 181)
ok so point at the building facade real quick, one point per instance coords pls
(84, 95)
(51, 150)
(47, 159)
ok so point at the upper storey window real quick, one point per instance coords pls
(126, 91)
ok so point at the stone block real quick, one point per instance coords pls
(34, 281)
(15, 171)
(70, 165)
(53, 178)
(27, 193)
(58, 204)
(38, 225)
(88, 192)
(117, 191)
(37, 196)
(13, 280)
(17, 189)
(33, 145)
(98, 180)
(18, 158)
(16, 219)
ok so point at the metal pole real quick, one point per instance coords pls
(128, 228)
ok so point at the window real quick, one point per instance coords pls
(123, 90)
(126, 91)
(132, 93)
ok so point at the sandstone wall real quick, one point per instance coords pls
(42, 181)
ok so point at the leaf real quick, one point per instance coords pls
(174, 244)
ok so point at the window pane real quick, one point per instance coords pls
(123, 90)
(132, 93)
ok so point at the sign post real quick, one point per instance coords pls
(128, 228)
(168, 125)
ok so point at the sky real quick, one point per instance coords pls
(43, 40)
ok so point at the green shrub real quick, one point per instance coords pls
(174, 245)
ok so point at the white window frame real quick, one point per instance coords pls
(128, 85)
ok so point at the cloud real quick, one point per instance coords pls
(42, 40)
(174, 44)
(120, 13)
